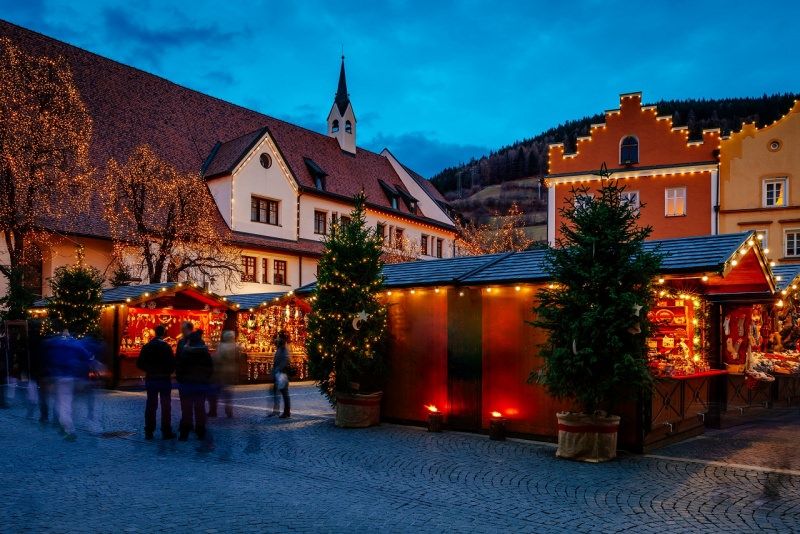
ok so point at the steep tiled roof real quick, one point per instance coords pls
(787, 273)
(227, 155)
(694, 254)
(131, 108)
(253, 300)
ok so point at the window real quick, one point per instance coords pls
(249, 264)
(264, 271)
(280, 272)
(319, 183)
(439, 247)
(775, 191)
(344, 220)
(335, 127)
(398, 235)
(380, 229)
(629, 150)
(394, 202)
(264, 210)
(675, 201)
(631, 200)
(583, 201)
(792, 240)
(423, 244)
(320, 222)
(348, 127)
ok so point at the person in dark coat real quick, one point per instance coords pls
(280, 379)
(193, 369)
(158, 363)
(186, 329)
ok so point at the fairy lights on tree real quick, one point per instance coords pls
(77, 298)
(163, 223)
(506, 234)
(347, 326)
(45, 130)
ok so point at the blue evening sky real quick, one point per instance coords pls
(438, 82)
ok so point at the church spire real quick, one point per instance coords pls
(341, 119)
(342, 97)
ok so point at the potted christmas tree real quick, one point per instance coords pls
(346, 341)
(595, 314)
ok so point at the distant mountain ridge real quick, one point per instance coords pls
(528, 158)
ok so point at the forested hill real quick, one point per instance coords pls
(528, 158)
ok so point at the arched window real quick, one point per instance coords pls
(629, 150)
(335, 127)
(348, 127)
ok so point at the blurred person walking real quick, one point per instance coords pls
(280, 377)
(186, 329)
(68, 361)
(226, 371)
(158, 363)
(193, 369)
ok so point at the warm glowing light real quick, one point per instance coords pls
(431, 408)
(389, 293)
(705, 279)
(436, 290)
(660, 280)
(780, 303)
(772, 264)
(517, 288)
(734, 262)
(497, 414)
(766, 251)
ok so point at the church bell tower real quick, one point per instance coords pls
(341, 119)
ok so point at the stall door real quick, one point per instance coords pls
(464, 359)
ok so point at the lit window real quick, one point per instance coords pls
(249, 265)
(320, 222)
(398, 235)
(348, 127)
(439, 247)
(792, 240)
(335, 127)
(264, 271)
(629, 151)
(775, 192)
(280, 272)
(380, 229)
(423, 244)
(675, 201)
(264, 210)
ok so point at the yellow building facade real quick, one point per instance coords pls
(760, 185)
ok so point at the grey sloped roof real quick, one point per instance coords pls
(120, 294)
(702, 253)
(527, 266)
(436, 272)
(253, 300)
(785, 274)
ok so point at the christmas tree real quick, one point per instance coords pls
(346, 341)
(595, 310)
(77, 298)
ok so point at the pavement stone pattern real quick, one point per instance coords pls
(305, 475)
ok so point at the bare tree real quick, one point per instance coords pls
(45, 131)
(401, 250)
(506, 234)
(166, 221)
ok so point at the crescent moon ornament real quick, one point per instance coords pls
(356, 324)
(360, 319)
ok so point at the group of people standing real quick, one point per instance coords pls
(202, 377)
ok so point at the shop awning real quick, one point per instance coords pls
(134, 295)
(786, 275)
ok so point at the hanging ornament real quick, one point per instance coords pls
(360, 320)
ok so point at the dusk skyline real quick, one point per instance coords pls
(437, 83)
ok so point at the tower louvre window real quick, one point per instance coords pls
(348, 127)
(335, 126)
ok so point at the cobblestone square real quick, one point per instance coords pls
(305, 475)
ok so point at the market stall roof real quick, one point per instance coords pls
(253, 300)
(133, 295)
(734, 263)
(786, 275)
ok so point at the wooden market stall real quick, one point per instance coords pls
(130, 313)
(461, 340)
(259, 318)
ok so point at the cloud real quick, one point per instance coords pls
(424, 154)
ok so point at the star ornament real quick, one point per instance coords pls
(363, 316)
(636, 309)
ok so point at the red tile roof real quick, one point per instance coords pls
(131, 107)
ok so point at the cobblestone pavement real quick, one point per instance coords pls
(305, 475)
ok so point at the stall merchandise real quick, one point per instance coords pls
(141, 323)
(257, 329)
(673, 347)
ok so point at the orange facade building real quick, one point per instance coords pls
(673, 181)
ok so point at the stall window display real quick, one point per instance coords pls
(257, 329)
(674, 348)
(772, 339)
(141, 323)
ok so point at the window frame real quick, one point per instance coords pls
(320, 216)
(796, 232)
(423, 244)
(439, 248)
(629, 147)
(249, 275)
(667, 200)
(280, 272)
(635, 206)
(380, 229)
(765, 182)
(265, 270)
(268, 205)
